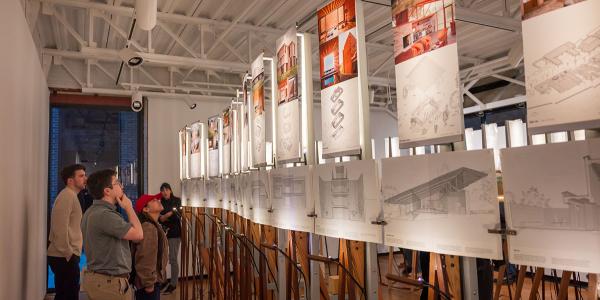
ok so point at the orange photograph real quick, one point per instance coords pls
(421, 26)
(534, 8)
(338, 43)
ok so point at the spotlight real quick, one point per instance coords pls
(130, 57)
(189, 102)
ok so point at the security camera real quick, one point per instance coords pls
(131, 58)
(137, 101)
(188, 101)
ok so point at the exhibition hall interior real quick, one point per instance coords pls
(300, 149)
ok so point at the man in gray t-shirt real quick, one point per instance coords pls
(106, 237)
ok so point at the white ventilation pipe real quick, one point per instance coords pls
(145, 11)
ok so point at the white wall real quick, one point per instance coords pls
(23, 159)
(167, 116)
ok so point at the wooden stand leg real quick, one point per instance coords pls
(537, 279)
(499, 281)
(592, 290)
(563, 290)
(520, 281)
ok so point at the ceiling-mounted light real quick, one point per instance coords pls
(145, 13)
(189, 102)
(131, 58)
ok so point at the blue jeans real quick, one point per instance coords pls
(141, 294)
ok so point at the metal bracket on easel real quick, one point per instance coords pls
(502, 231)
(380, 222)
(312, 215)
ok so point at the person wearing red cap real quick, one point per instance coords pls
(151, 254)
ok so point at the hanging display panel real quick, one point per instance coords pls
(259, 132)
(288, 100)
(229, 195)
(427, 74)
(245, 135)
(347, 200)
(245, 195)
(338, 60)
(227, 135)
(291, 203)
(214, 193)
(443, 203)
(183, 155)
(562, 64)
(193, 192)
(552, 196)
(195, 150)
(214, 142)
(260, 200)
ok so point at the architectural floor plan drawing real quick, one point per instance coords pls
(214, 195)
(341, 197)
(444, 194)
(552, 200)
(347, 200)
(260, 190)
(429, 104)
(290, 198)
(562, 73)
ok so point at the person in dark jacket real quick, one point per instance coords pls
(170, 218)
(150, 254)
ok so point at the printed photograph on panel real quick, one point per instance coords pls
(443, 203)
(554, 206)
(421, 26)
(213, 133)
(258, 86)
(227, 126)
(337, 42)
(534, 8)
(287, 67)
(347, 201)
(562, 73)
(259, 155)
(195, 158)
(196, 136)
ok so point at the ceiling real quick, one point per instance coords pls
(202, 48)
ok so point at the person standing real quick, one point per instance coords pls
(65, 236)
(150, 255)
(170, 219)
(106, 237)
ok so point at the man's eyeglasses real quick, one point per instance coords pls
(116, 183)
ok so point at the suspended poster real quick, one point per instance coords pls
(340, 83)
(196, 150)
(259, 131)
(214, 142)
(347, 200)
(552, 198)
(236, 133)
(562, 64)
(260, 200)
(214, 193)
(245, 135)
(227, 134)
(183, 155)
(427, 74)
(291, 203)
(288, 101)
(443, 203)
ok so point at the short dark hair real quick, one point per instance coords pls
(69, 172)
(100, 180)
(164, 186)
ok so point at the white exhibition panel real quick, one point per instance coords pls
(193, 192)
(429, 102)
(228, 188)
(258, 132)
(288, 100)
(561, 69)
(347, 200)
(260, 203)
(214, 144)
(552, 196)
(443, 203)
(340, 77)
(196, 151)
(214, 193)
(291, 201)
(227, 135)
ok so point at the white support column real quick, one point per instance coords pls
(282, 239)
(371, 277)
(91, 15)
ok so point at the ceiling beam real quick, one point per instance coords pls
(476, 17)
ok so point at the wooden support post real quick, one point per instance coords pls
(563, 290)
(520, 281)
(270, 237)
(537, 279)
(499, 281)
(592, 290)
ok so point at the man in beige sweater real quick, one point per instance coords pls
(65, 234)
